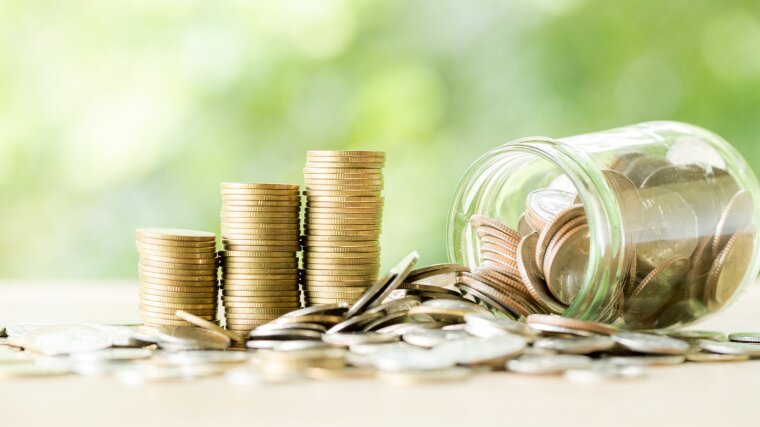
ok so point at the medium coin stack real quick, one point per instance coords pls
(177, 271)
(342, 224)
(260, 232)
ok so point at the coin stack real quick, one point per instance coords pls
(260, 232)
(177, 271)
(342, 224)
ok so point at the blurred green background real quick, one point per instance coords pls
(118, 114)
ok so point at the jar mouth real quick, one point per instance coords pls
(606, 263)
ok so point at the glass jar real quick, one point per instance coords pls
(646, 226)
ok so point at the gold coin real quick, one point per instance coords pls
(176, 266)
(191, 278)
(327, 283)
(346, 153)
(531, 276)
(176, 283)
(319, 253)
(160, 305)
(339, 165)
(245, 262)
(258, 234)
(343, 182)
(260, 271)
(261, 218)
(257, 192)
(264, 225)
(259, 211)
(145, 258)
(176, 234)
(205, 324)
(287, 296)
(345, 190)
(319, 222)
(209, 250)
(237, 317)
(171, 316)
(342, 214)
(175, 272)
(176, 294)
(342, 267)
(210, 257)
(261, 308)
(311, 228)
(262, 197)
(332, 295)
(245, 295)
(172, 244)
(321, 170)
(261, 203)
(340, 289)
(316, 203)
(335, 273)
(316, 176)
(262, 248)
(242, 301)
(247, 186)
(317, 211)
(227, 254)
(243, 266)
(735, 217)
(168, 313)
(175, 300)
(249, 283)
(565, 265)
(191, 287)
(346, 263)
(327, 301)
(264, 276)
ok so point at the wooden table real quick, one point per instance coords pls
(726, 394)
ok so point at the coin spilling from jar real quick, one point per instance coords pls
(685, 245)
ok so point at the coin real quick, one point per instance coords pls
(716, 357)
(728, 270)
(582, 345)
(531, 277)
(565, 265)
(747, 337)
(660, 237)
(736, 217)
(648, 343)
(549, 364)
(544, 204)
(202, 323)
(175, 234)
(657, 287)
(567, 322)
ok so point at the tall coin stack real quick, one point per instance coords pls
(342, 224)
(260, 232)
(177, 271)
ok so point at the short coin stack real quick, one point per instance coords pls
(260, 232)
(342, 224)
(177, 271)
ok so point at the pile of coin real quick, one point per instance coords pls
(342, 224)
(260, 235)
(177, 271)
(686, 239)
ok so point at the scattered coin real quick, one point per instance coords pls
(648, 343)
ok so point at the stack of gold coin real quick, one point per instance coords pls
(260, 232)
(177, 271)
(342, 224)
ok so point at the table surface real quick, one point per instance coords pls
(691, 394)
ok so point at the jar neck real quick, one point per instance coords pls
(607, 242)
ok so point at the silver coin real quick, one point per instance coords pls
(284, 334)
(752, 350)
(456, 305)
(299, 325)
(353, 338)
(68, 339)
(337, 309)
(428, 338)
(604, 371)
(548, 365)
(369, 348)
(355, 323)
(402, 328)
(546, 203)
(297, 345)
(475, 351)
(649, 360)
(191, 338)
(112, 354)
(715, 357)
(394, 305)
(203, 357)
(581, 345)
(648, 343)
(487, 325)
(410, 359)
(748, 337)
(382, 288)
